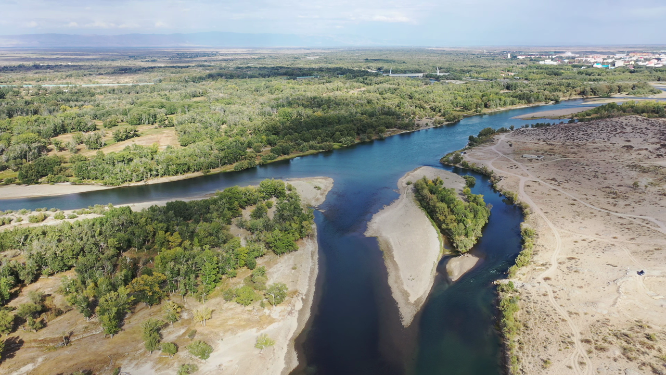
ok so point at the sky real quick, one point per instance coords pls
(359, 22)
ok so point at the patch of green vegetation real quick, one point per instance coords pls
(459, 220)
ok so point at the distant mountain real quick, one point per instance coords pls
(206, 39)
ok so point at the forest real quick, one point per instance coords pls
(124, 257)
(460, 220)
(233, 113)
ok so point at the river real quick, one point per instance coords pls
(355, 328)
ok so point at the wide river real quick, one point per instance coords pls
(355, 327)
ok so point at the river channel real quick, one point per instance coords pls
(355, 327)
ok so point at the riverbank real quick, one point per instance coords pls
(411, 244)
(42, 190)
(232, 330)
(29, 191)
(596, 203)
(553, 114)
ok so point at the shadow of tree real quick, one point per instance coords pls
(12, 345)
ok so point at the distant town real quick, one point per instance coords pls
(629, 60)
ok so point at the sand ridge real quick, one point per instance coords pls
(411, 243)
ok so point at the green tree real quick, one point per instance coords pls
(6, 285)
(147, 288)
(151, 334)
(276, 293)
(169, 349)
(245, 295)
(112, 309)
(263, 342)
(200, 349)
(187, 368)
(6, 322)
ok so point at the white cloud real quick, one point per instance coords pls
(72, 24)
(392, 18)
(160, 24)
(31, 24)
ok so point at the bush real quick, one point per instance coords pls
(200, 349)
(187, 369)
(59, 216)
(169, 349)
(245, 295)
(37, 218)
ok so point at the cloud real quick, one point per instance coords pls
(72, 24)
(160, 24)
(392, 18)
(31, 24)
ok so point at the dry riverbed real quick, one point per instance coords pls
(598, 205)
(232, 331)
(411, 244)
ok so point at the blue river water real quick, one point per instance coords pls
(355, 327)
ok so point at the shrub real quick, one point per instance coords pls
(187, 369)
(200, 349)
(37, 218)
(59, 215)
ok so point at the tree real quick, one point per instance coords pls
(263, 342)
(151, 334)
(6, 322)
(203, 314)
(276, 293)
(112, 309)
(6, 285)
(245, 295)
(146, 288)
(169, 349)
(200, 349)
(172, 312)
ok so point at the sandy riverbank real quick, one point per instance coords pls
(598, 209)
(412, 245)
(27, 191)
(552, 114)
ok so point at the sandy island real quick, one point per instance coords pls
(411, 243)
(552, 114)
(598, 207)
(232, 331)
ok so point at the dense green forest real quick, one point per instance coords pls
(460, 220)
(126, 257)
(236, 113)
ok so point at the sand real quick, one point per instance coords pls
(597, 203)
(232, 331)
(412, 245)
(26, 191)
(552, 114)
(456, 267)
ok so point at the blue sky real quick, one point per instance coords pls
(371, 22)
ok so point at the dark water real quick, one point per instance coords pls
(355, 327)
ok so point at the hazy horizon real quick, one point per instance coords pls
(358, 23)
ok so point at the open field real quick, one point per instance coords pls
(598, 204)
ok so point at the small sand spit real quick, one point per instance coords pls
(458, 266)
(412, 245)
(26, 191)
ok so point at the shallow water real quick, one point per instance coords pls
(355, 327)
